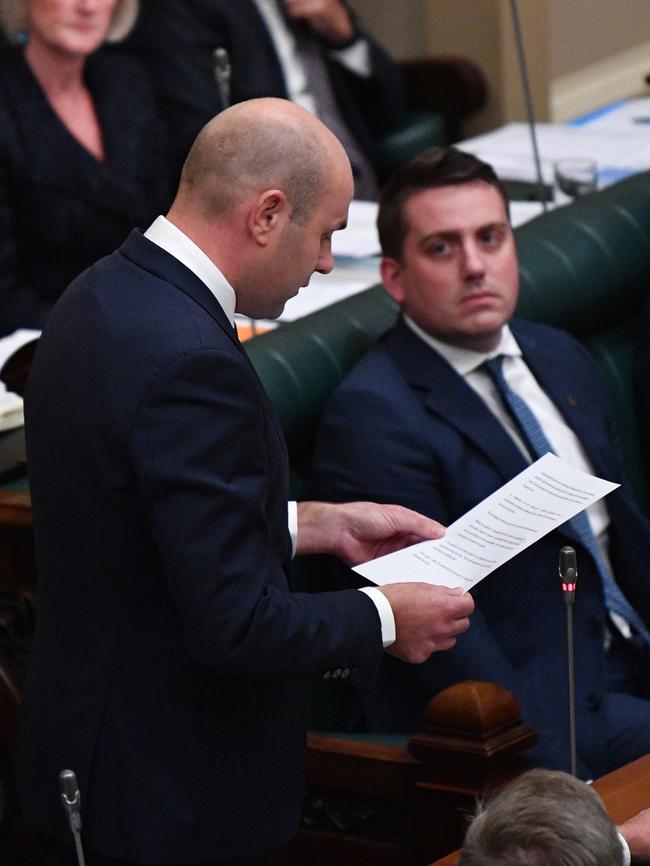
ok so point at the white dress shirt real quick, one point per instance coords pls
(169, 237)
(166, 235)
(627, 857)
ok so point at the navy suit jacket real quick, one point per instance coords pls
(176, 41)
(170, 659)
(61, 209)
(404, 427)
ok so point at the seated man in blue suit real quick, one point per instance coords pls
(170, 659)
(206, 54)
(422, 420)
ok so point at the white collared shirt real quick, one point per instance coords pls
(627, 857)
(165, 234)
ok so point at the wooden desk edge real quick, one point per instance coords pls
(15, 508)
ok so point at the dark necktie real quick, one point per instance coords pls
(309, 49)
(539, 445)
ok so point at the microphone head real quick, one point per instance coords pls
(568, 568)
(69, 787)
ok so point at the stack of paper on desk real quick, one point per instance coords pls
(618, 152)
(360, 239)
(11, 405)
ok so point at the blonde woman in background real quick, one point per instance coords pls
(75, 173)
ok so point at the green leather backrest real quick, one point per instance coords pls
(584, 268)
(421, 129)
(301, 363)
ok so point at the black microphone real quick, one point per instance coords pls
(569, 577)
(222, 73)
(568, 572)
(71, 799)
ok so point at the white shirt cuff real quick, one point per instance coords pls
(292, 521)
(355, 57)
(627, 857)
(385, 611)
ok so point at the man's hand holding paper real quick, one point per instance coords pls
(427, 618)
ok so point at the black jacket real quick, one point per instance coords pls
(60, 208)
(176, 41)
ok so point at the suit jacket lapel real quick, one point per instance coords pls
(157, 261)
(448, 396)
(548, 368)
(556, 380)
(161, 263)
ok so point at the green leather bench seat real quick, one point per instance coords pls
(301, 363)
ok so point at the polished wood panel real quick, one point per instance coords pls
(17, 561)
(373, 802)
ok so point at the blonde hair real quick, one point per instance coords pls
(13, 19)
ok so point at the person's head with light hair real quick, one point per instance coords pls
(543, 818)
(18, 18)
(263, 188)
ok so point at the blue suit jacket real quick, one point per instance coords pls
(170, 657)
(177, 40)
(404, 427)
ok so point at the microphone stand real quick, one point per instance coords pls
(528, 98)
(569, 576)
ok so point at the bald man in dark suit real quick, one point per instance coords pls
(170, 658)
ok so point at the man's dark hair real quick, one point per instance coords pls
(435, 167)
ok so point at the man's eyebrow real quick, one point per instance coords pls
(445, 235)
(497, 224)
(451, 234)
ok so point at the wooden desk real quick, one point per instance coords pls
(625, 792)
(17, 563)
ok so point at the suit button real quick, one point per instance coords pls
(593, 703)
(345, 673)
(336, 674)
(327, 675)
(354, 675)
(594, 625)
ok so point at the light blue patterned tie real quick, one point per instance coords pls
(539, 445)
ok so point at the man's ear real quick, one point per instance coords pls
(391, 275)
(268, 214)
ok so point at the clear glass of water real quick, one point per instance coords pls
(574, 177)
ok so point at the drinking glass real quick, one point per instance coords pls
(574, 177)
